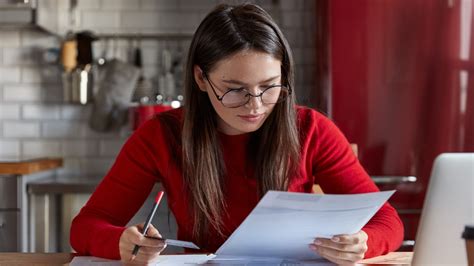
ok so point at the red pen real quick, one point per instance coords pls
(148, 221)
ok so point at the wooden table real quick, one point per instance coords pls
(35, 259)
(394, 258)
(30, 166)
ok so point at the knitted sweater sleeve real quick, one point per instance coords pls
(96, 230)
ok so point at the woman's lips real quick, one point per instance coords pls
(251, 118)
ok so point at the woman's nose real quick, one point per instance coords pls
(254, 102)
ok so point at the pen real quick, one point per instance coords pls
(148, 221)
(176, 243)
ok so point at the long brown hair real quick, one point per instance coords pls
(224, 32)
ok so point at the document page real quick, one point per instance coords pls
(173, 260)
(279, 230)
(283, 224)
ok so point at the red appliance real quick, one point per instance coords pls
(141, 113)
(402, 83)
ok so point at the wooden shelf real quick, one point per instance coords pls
(30, 166)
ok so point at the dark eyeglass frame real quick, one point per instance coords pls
(219, 98)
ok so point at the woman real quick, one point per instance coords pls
(238, 136)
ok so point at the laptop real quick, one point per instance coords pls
(448, 207)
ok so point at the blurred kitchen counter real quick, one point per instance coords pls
(15, 175)
(56, 200)
(64, 185)
(24, 167)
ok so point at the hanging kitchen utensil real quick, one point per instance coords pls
(166, 81)
(144, 92)
(102, 60)
(78, 85)
(69, 53)
(69, 63)
(110, 108)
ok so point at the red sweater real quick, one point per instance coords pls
(149, 156)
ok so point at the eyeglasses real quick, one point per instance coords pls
(234, 98)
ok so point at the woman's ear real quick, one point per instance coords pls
(199, 78)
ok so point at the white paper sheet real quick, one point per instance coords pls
(254, 261)
(279, 230)
(283, 224)
(173, 260)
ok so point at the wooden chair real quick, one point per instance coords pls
(316, 188)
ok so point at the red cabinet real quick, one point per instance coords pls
(402, 87)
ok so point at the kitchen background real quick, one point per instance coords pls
(34, 120)
(37, 118)
(395, 76)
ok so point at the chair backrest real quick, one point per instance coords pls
(316, 188)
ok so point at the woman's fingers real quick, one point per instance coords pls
(328, 243)
(152, 231)
(148, 242)
(147, 255)
(342, 249)
(333, 253)
(356, 238)
(336, 259)
(138, 239)
(149, 250)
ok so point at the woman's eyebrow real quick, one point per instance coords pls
(233, 81)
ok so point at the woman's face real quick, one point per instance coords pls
(251, 70)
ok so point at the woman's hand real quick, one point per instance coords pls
(342, 249)
(149, 250)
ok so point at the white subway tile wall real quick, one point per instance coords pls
(9, 74)
(144, 19)
(34, 122)
(41, 112)
(10, 149)
(21, 56)
(110, 147)
(91, 165)
(62, 130)
(21, 129)
(89, 4)
(9, 111)
(37, 39)
(119, 5)
(22, 93)
(75, 112)
(159, 4)
(10, 39)
(41, 148)
(100, 19)
(71, 167)
(31, 74)
(81, 148)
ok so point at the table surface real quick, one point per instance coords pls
(24, 167)
(394, 258)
